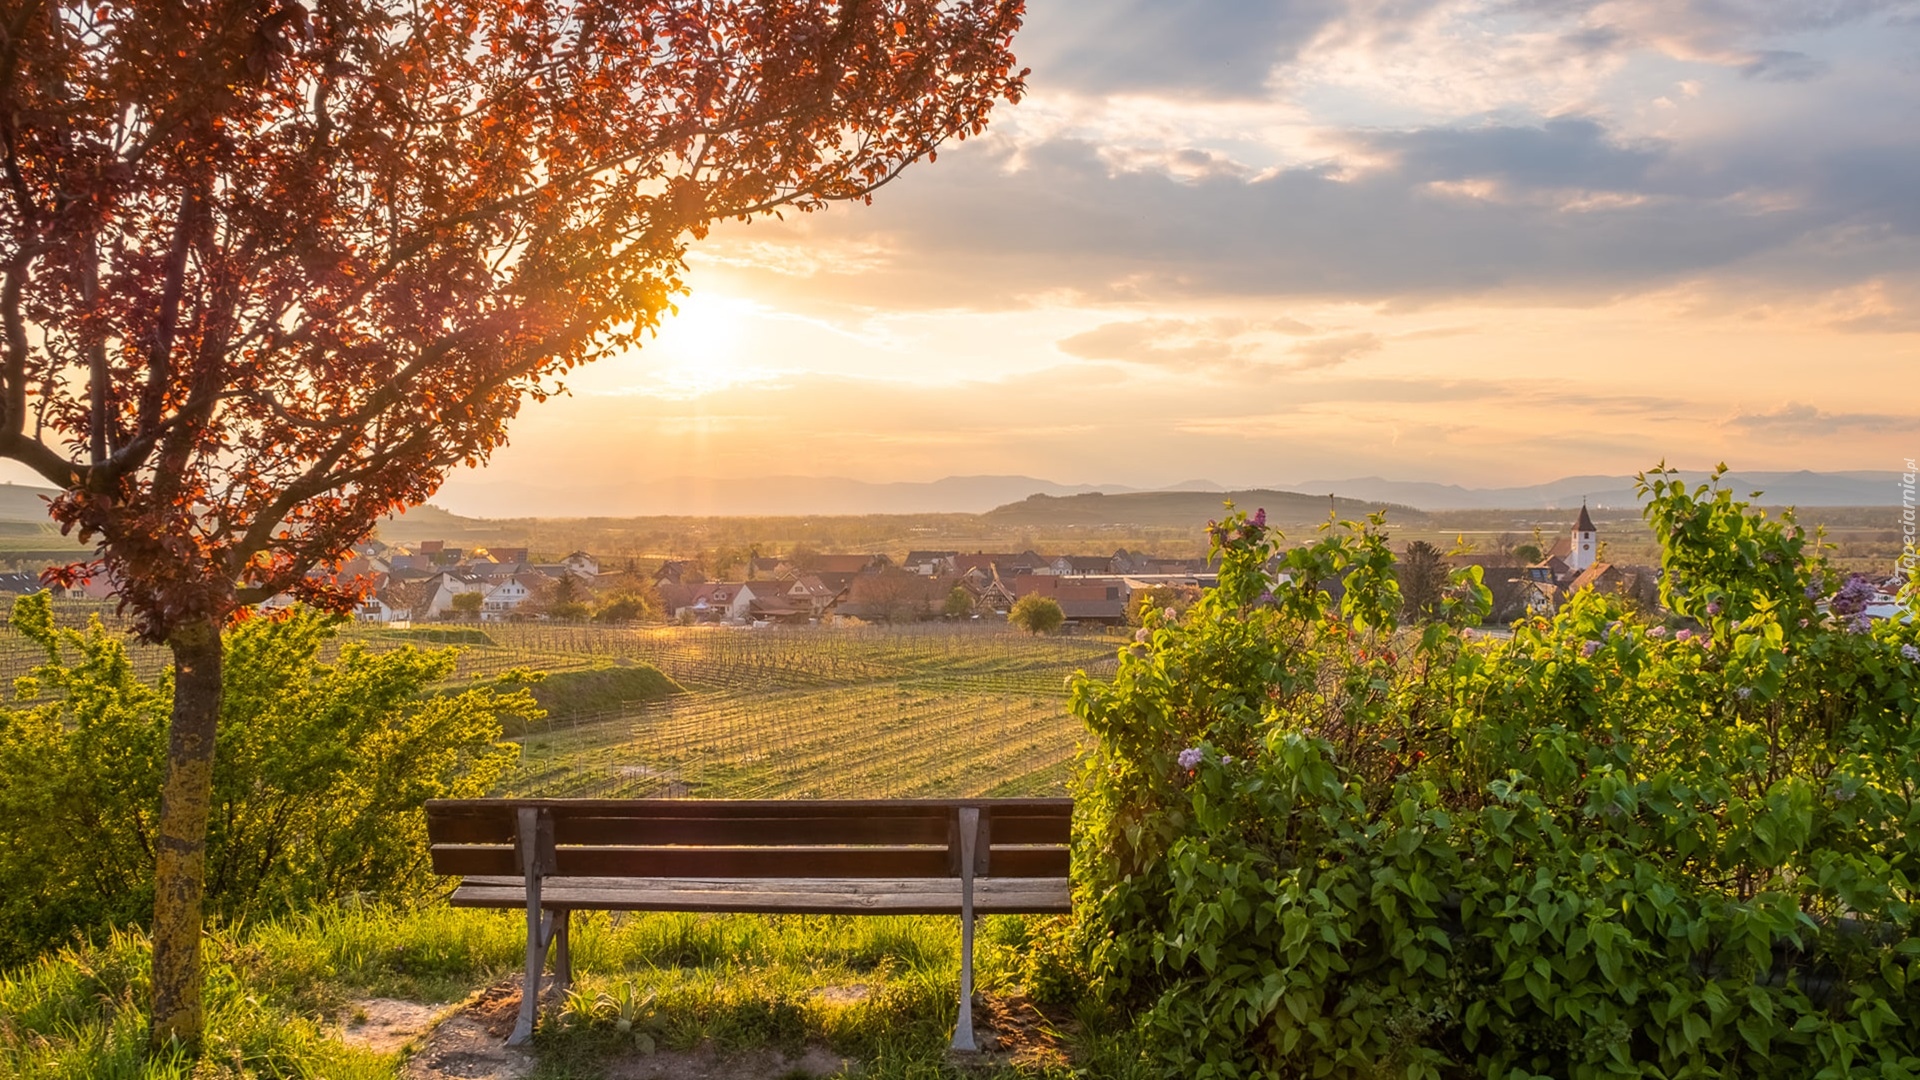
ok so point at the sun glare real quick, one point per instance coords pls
(701, 347)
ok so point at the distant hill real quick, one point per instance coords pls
(1803, 488)
(641, 495)
(1184, 508)
(22, 502)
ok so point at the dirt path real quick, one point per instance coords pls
(468, 1042)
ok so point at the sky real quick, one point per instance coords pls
(1484, 242)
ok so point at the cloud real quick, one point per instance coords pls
(1711, 31)
(1183, 344)
(986, 237)
(1565, 153)
(1564, 210)
(1333, 351)
(1781, 65)
(1159, 342)
(1216, 49)
(1796, 419)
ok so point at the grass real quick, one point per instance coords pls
(879, 990)
(798, 713)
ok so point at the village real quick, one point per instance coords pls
(431, 581)
(434, 581)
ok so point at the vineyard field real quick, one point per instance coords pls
(805, 712)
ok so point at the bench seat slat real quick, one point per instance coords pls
(748, 831)
(695, 821)
(782, 862)
(748, 807)
(1013, 827)
(491, 816)
(808, 896)
(767, 862)
(927, 829)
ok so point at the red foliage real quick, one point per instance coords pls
(267, 273)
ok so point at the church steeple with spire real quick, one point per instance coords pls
(1586, 542)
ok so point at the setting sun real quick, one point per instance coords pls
(701, 347)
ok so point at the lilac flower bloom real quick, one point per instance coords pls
(1143, 635)
(1170, 614)
(1260, 518)
(1657, 632)
(1589, 648)
(1853, 597)
(1683, 635)
(1190, 758)
(1860, 624)
(1744, 692)
(1814, 588)
(1912, 654)
(1713, 608)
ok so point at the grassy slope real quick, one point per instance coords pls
(871, 712)
(276, 992)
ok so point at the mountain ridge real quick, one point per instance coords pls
(803, 496)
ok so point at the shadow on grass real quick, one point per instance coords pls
(871, 997)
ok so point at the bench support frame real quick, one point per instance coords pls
(534, 856)
(546, 930)
(969, 832)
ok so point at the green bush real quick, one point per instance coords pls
(642, 605)
(320, 772)
(443, 635)
(1316, 844)
(597, 690)
(1037, 614)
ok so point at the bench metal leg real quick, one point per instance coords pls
(537, 923)
(562, 954)
(969, 830)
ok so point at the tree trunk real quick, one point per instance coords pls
(180, 874)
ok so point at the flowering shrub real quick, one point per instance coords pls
(321, 769)
(1314, 843)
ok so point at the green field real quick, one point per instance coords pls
(805, 712)
(873, 712)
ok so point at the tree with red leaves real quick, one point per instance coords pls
(268, 272)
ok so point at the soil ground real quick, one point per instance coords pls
(468, 1042)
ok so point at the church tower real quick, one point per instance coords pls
(1586, 542)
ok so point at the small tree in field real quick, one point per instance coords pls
(959, 603)
(1422, 573)
(633, 605)
(1037, 614)
(268, 273)
(467, 605)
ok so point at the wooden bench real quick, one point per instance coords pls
(852, 857)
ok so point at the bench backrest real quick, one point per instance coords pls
(773, 838)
